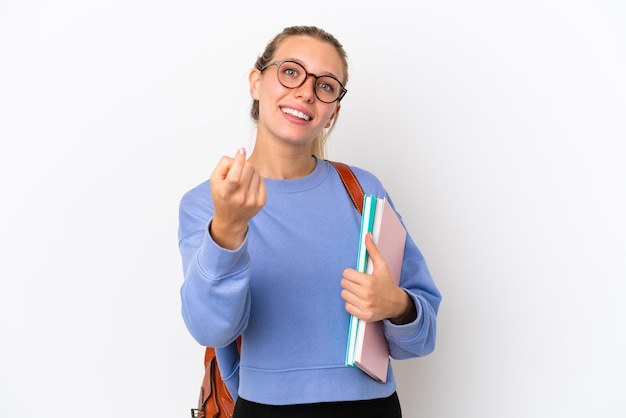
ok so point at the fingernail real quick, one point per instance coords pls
(242, 151)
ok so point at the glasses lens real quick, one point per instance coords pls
(291, 74)
(327, 89)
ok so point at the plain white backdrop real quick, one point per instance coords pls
(498, 127)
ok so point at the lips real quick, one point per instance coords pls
(296, 113)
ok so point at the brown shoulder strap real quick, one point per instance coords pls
(353, 187)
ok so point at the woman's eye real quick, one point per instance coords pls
(326, 86)
(291, 72)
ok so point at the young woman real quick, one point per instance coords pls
(268, 245)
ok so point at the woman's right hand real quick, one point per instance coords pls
(238, 193)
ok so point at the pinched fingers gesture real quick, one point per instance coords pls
(238, 193)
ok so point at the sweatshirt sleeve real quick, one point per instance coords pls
(418, 337)
(215, 293)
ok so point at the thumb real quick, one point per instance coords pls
(372, 251)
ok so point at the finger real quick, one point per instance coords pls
(350, 278)
(251, 182)
(247, 176)
(222, 168)
(350, 300)
(353, 305)
(355, 285)
(354, 310)
(236, 169)
(257, 189)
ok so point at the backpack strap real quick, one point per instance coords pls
(353, 187)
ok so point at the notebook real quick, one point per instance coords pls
(371, 351)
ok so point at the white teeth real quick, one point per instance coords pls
(296, 113)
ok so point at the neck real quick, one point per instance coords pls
(283, 165)
(280, 158)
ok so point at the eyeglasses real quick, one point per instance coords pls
(292, 75)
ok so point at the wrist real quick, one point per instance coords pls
(408, 314)
(227, 235)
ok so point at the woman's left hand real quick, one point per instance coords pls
(376, 296)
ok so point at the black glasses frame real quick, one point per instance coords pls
(342, 92)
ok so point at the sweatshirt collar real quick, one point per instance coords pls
(310, 181)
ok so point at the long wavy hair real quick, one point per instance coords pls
(318, 147)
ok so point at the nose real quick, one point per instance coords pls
(307, 89)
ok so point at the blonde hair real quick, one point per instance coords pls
(318, 147)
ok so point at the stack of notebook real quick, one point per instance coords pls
(367, 345)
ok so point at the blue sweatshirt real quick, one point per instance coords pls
(280, 290)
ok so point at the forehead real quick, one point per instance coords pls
(317, 56)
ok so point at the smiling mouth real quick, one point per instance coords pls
(295, 113)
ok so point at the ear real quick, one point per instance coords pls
(254, 78)
(333, 116)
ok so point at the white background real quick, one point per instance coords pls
(497, 126)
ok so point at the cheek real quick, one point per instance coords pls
(266, 98)
(329, 116)
(262, 89)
